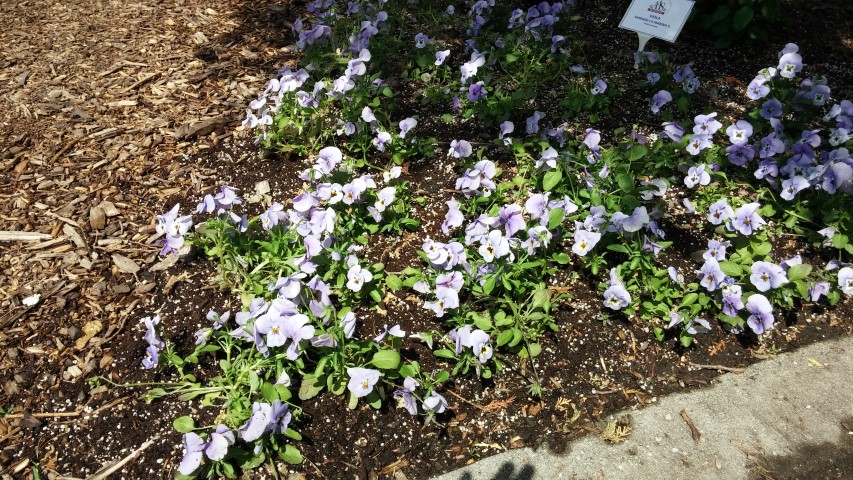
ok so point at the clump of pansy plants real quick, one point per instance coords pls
(572, 200)
(300, 276)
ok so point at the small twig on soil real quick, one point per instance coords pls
(316, 468)
(76, 413)
(45, 414)
(105, 473)
(479, 407)
(693, 430)
(15, 236)
(140, 82)
(122, 323)
(10, 434)
(717, 367)
(64, 149)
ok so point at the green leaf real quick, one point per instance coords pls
(409, 369)
(551, 179)
(387, 92)
(799, 272)
(731, 269)
(626, 182)
(310, 387)
(490, 284)
(561, 258)
(839, 240)
(441, 377)
(375, 295)
(254, 381)
(689, 299)
(283, 392)
(720, 13)
(269, 392)
(516, 337)
(483, 322)
(535, 349)
(542, 298)
(555, 218)
(637, 152)
(742, 18)
(292, 434)
(291, 455)
(189, 395)
(504, 338)
(683, 103)
(374, 400)
(227, 470)
(155, 393)
(184, 424)
(761, 249)
(444, 353)
(393, 282)
(595, 197)
(615, 247)
(254, 461)
(510, 58)
(386, 359)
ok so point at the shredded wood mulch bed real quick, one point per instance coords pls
(111, 111)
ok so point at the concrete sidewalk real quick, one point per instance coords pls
(788, 417)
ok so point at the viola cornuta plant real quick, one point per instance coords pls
(539, 194)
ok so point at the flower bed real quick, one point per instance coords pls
(525, 199)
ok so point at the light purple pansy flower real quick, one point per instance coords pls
(441, 56)
(585, 241)
(792, 186)
(357, 277)
(406, 125)
(406, 397)
(362, 380)
(761, 314)
(699, 142)
(532, 122)
(421, 40)
(598, 86)
(697, 175)
(746, 219)
(435, 403)
(766, 276)
(739, 132)
(710, 275)
(845, 280)
(674, 131)
(460, 149)
(720, 211)
(481, 345)
(382, 138)
(258, 423)
(790, 64)
(771, 109)
(716, 250)
(220, 440)
(616, 296)
(194, 447)
(660, 99)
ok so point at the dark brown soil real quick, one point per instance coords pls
(597, 364)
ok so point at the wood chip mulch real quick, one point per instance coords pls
(100, 101)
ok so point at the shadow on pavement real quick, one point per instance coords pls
(816, 461)
(507, 472)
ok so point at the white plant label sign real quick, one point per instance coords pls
(662, 19)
